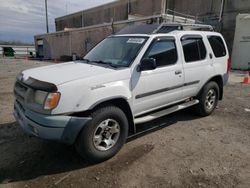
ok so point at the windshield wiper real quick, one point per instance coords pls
(106, 63)
(102, 62)
(87, 60)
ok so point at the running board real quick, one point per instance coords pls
(164, 112)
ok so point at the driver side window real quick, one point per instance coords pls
(163, 51)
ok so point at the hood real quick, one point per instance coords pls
(66, 72)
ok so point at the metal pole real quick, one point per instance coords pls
(211, 6)
(128, 7)
(46, 11)
(163, 6)
(82, 20)
(221, 10)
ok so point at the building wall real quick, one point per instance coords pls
(78, 41)
(98, 15)
(207, 10)
(81, 40)
(71, 42)
(145, 7)
(56, 44)
(212, 8)
(115, 11)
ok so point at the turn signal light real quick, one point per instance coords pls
(51, 101)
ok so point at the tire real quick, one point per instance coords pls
(208, 99)
(104, 135)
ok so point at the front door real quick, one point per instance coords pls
(162, 86)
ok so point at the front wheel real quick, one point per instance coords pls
(208, 99)
(104, 135)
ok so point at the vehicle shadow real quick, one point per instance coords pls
(163, 122)
(25, 158)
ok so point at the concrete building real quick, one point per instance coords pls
(115, 11)
(79, 41)
(78, 32)
(221, 13)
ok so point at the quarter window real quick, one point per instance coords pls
(194, 49)
(217, 45)
(163, 51)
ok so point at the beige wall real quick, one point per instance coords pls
(98, 15)
(77, 41)
(212, 7)
(117, 11)
(67, 43)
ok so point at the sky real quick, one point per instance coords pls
(22, 19)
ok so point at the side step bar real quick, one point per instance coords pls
(164, 112)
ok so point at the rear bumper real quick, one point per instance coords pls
(60, 128)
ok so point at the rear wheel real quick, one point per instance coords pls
(208, 99)
(104, 135)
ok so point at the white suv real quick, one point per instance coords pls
(126, 80)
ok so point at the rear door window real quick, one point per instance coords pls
(218, 46)
(193, 48)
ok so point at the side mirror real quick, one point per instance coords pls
(147, 64)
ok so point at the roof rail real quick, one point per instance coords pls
(168, 27)
(202, 27)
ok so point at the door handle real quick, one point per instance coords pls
(211, 56)
(178, 72)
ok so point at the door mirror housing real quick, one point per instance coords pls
(147, 64)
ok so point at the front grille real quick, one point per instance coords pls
(21, 86)
(20, 92)
(20, 106)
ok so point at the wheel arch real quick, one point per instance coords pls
(120, 102)
(219, 80)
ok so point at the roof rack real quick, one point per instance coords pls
(199, 27)
(168, 27)
(163, 28)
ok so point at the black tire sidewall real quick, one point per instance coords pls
(85, 145)
(210, 85)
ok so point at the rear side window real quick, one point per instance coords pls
(217, 45)
(163, 51)
(194, 49)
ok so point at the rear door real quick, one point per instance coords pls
(220, 55)
(198, 65)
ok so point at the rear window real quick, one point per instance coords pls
(194, 49)
(217, 45)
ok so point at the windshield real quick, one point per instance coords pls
(116, 51)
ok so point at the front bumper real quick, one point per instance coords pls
(60, 128)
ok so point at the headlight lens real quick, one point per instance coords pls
(40, 97)
(51, 101)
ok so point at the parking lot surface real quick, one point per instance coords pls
(182, 150)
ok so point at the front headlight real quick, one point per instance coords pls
(40, 97)
(51, 101)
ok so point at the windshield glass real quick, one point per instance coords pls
(116, 51)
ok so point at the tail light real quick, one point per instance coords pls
(228, 65)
